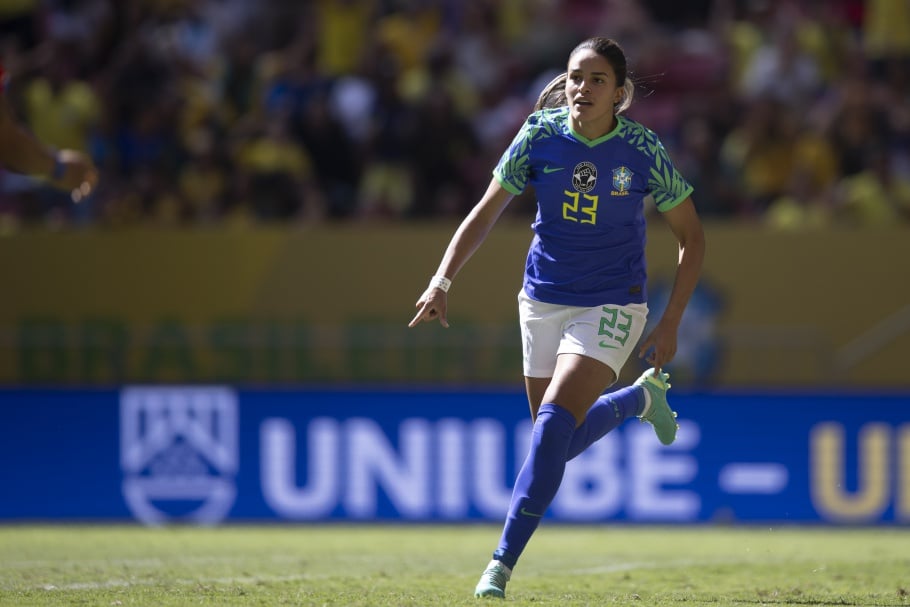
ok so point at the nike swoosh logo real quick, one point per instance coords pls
(604, 344)
(526, 513)
(548, 169)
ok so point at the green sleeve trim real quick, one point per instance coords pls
(663, 208)
(511, 189)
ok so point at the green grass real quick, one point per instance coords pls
(389, 566)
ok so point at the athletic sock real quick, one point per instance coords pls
(608, 412)
(537, 481)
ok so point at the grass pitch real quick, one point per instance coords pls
(389, 566)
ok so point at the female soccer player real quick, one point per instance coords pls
(583, 304)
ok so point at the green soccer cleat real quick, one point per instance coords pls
(659, 413)
(493, 581)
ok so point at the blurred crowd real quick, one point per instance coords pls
(213, 112)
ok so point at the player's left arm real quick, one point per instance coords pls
(660, 345)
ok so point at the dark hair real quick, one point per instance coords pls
(553, 95)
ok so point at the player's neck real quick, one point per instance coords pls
(594, 129)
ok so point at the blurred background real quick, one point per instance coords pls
(790, 114)
(279, 179)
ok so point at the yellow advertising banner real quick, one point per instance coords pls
(324, 303)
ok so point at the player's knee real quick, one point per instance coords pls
(555, 423)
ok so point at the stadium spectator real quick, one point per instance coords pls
(203, 180)
(277, 173)
(444, 155)
(806, 200)
(782, 70)
(386, 188)
(877, 196)
(334, 154)
(758, 153)
(342, 34)
(68, 170)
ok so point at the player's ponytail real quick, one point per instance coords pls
(628, 92)
(553, 95)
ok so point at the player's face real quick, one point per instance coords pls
(591, 89)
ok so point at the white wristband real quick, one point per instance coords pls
(440, 282)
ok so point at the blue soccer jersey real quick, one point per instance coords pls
(589, 234)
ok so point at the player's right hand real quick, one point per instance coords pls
(431, 306)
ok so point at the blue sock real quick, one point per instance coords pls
(538, 481)
(608, 412)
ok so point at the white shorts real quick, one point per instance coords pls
(606, 333)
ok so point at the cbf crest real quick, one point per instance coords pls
(584, 177)
(179, 453)
(622, 181)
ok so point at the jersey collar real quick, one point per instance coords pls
(593, 142)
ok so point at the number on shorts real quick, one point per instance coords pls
(615, 324)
